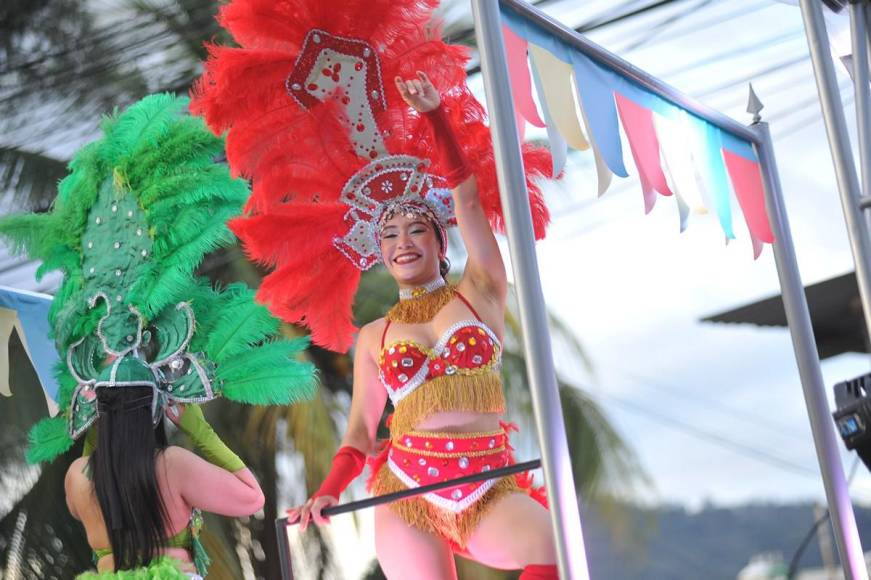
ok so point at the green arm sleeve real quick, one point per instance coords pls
(194, 424)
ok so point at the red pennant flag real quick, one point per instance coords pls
(746, 179)
(638, 124)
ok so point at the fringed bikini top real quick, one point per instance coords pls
(460, 373)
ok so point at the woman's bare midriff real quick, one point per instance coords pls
(460, 422)
(107, 563)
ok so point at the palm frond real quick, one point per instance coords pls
(28, 180)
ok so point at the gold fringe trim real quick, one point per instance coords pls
(421, 309)
(421, 514)
(479, 393)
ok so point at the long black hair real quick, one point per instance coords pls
(122, 467)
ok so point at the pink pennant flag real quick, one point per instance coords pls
(746, 179)
(638, 124)
(521, 82)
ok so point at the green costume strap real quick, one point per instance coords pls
(90, 442)
(201, 433)
(186, 539)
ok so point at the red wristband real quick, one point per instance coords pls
(347, 464)
(448, 148)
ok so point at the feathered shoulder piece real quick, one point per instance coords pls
(133, 219)
(315, 121)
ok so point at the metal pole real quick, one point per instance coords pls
(859, 33)
(839, 143)
(562, 494)
(283, 549)
(804, 345)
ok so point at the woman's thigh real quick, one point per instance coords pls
(514, 533)
(406, 552)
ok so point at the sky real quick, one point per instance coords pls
(714, 412)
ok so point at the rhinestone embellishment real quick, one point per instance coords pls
(403, 378)
(461, 347)
(477, 359)
(432, 472)
(457, 494)
(449, 445)
(463, 462)
(451, 370)
(408, 442)
(485, 468)
(407, 362)
(492, 443)
(421, 461)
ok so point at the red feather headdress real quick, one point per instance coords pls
(316, 123)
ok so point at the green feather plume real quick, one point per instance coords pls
(133, 219)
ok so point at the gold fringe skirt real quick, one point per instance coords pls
(422, 458)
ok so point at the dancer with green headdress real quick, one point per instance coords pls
(142, 338)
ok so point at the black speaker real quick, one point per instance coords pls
(853, 415)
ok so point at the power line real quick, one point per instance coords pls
(717, 20)
(713, 438)
(663, 24)
(794, 561)
(779, 66)
(709, 403)
(732, 53)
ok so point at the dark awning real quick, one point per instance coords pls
(836, 315)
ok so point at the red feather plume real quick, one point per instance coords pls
(299, 159)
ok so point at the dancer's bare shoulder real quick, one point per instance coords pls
(369, 337)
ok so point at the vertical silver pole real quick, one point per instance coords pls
(799, 321)
(839, 143)
(859, 32)
(561, 491)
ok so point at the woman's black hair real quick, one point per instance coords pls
(444, 267)
(444, 263)
(125, 481)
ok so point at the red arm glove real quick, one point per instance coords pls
(448, 148)
(347, 464)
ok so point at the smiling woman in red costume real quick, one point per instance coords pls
(348, 171)
(437, 356)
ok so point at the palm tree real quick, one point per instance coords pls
(80, 63)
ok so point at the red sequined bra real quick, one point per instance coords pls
(467, 347)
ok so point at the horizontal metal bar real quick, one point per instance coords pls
(865, 201)
(644, 79)
(413, 491)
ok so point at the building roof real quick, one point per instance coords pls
(836, 315)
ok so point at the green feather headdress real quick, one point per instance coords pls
(132, 220)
